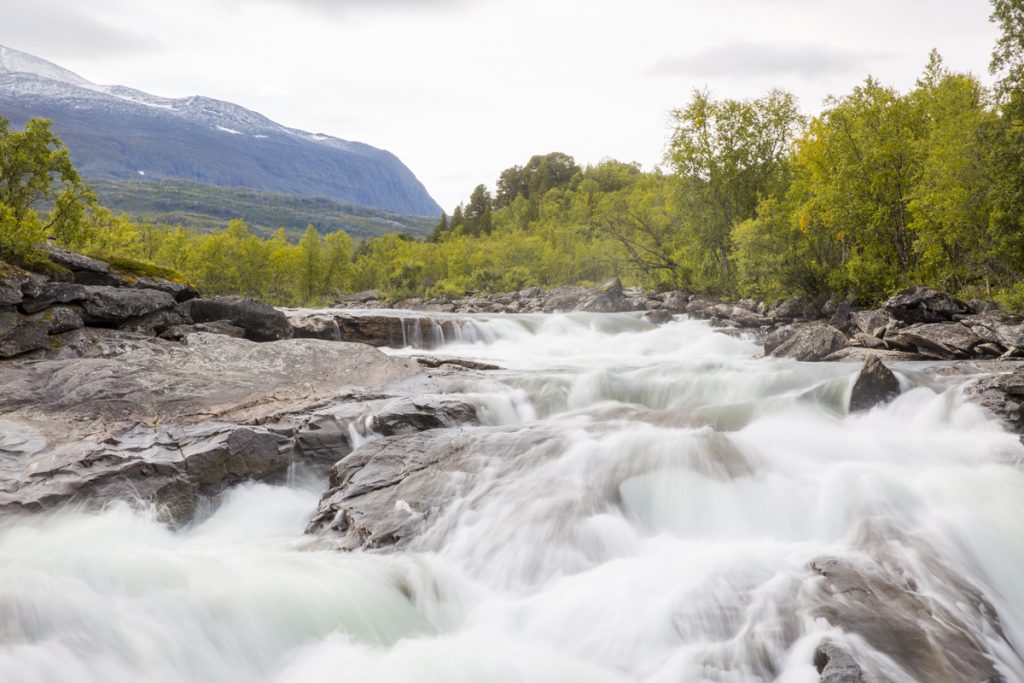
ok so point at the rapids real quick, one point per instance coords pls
(669, 533)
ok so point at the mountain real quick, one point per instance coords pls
(119, 133)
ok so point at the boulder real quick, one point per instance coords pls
(608, 298)
(105, 305)
(78, 263)
(811, 343)
(842, 317)
(835, 665)
(871, 323)
(659, 316)
(675, 301)
(179, 332)
(924, 305)
(60, 319)
(778, 337)
(364, 297)
(875, 384)
(408, 415)
(12, 280)
(943, 341)
(179, 290)
(157, 322)
(787, 311)
(46, 294)
(1003, 396)
(20, 334)
(260, 321)
(879, 602)
(168, 467)
(314, 326)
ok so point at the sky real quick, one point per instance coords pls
(461, 89)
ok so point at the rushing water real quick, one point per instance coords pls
(667, 534)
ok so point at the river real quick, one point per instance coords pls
(677, 526)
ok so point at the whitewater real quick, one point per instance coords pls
(680, 516)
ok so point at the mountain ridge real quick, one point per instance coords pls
(115, 132)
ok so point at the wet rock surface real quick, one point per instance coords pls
(141, 418)
(876, 384)
(882, 604)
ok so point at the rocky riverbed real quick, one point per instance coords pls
(639, 488)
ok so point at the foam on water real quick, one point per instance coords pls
(661, 528)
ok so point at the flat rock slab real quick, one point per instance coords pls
(156, 382)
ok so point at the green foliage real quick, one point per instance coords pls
(41, 194)
(205, 207)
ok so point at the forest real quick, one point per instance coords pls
(880, 190)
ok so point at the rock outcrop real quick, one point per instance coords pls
(131, 416)
(260, 321)
(875, 384)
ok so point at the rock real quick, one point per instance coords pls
(179, 332)
(787, 311)
(1003, 396)
(313, 325)
(871, 323)
(924, 305)
(168, 467)
(260, 321)
(746, 318)
(49, 293)
(1010, 336)
(179, 290)
(157, 322)
(983, 306)
(12, 280)
(19, 334)
(364, 297)
(408, 415)
(675, 301)
(943, 341)
(835, 665)
(778, 337)
(842, 317)
(386, 493)
(98, 342)
(60, 319)
(659, 316)
(866, 341)
(77, 263)
(860, 354)
(880, 603)
(876, 384)
(104, 304)
(437, 362)
(608, 298)
(812, 343)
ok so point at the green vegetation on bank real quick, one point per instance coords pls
(209, 207)
(880, 190)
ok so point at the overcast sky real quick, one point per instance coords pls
(461, 89)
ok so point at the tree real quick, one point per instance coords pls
(311, 267)
(36, 175)
(728, 155)
(478, 212)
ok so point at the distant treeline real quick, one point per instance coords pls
(880, 190)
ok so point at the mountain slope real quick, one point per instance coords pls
(180, 202)
(119, 133)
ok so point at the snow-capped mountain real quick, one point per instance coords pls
(116, 132)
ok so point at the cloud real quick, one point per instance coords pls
(336, 7)
(53, 29)
(764, 59)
